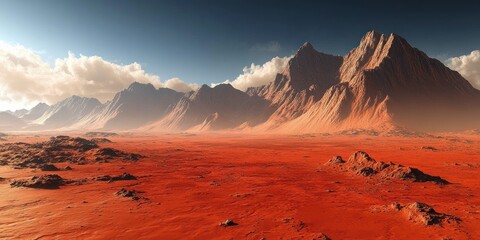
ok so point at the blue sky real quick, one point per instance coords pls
(207, 41)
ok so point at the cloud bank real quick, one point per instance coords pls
(258, 75)
(468, 66)
(25, 79)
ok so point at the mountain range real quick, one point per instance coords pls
(383, 84)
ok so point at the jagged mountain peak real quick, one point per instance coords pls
(41, 105)
(137, 86)
(224, 86)
(306, 47)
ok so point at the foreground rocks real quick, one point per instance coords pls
(362, 164)
(59, 149)
(100, 140)
(420, 213)
(122, 177)
(133, 194)
(49, 181)
(227, 223)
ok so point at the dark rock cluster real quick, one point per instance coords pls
(362, 164)
(59, 149)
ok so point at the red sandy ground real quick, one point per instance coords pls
(272, 186)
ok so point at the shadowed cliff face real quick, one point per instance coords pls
(305, 79)
(386, 83)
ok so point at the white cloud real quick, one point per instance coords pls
(179, 85)
(258, 75)
(468, 66)
(25, 79)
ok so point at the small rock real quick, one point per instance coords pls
(227, 223)
(123, 176)
(321, 236)
(429, 148)
(336, 160)
(128, 193)
(49, 167)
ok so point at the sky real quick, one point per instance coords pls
(183, 44)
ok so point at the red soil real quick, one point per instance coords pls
(272, 186)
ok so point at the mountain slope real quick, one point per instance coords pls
(9, 122)
(306, 77)
(66, 113)
(221, 107)
(35, 112)
(135, 106)
(386, 83)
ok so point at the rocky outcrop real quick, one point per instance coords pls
(122, 177)
(302, 83)
(59, 149)
(49, 181)
(360, 163)
(419, 213)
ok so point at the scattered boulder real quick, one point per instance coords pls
(336, 160)
(429, 148)
(362, 164)
(68, 168)
(49, 167)
(227, 223)
(321, 236)
(128, 194)
(123, 176)
(422, 213)
(49, 181)
(110, 153)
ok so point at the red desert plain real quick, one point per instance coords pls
(227, 186)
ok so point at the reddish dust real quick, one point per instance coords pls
(272, 187)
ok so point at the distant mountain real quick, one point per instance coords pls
(221, 107)
(135, 107)
(9, 122)
(35, 112)
(66, 113)
(18, 113)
